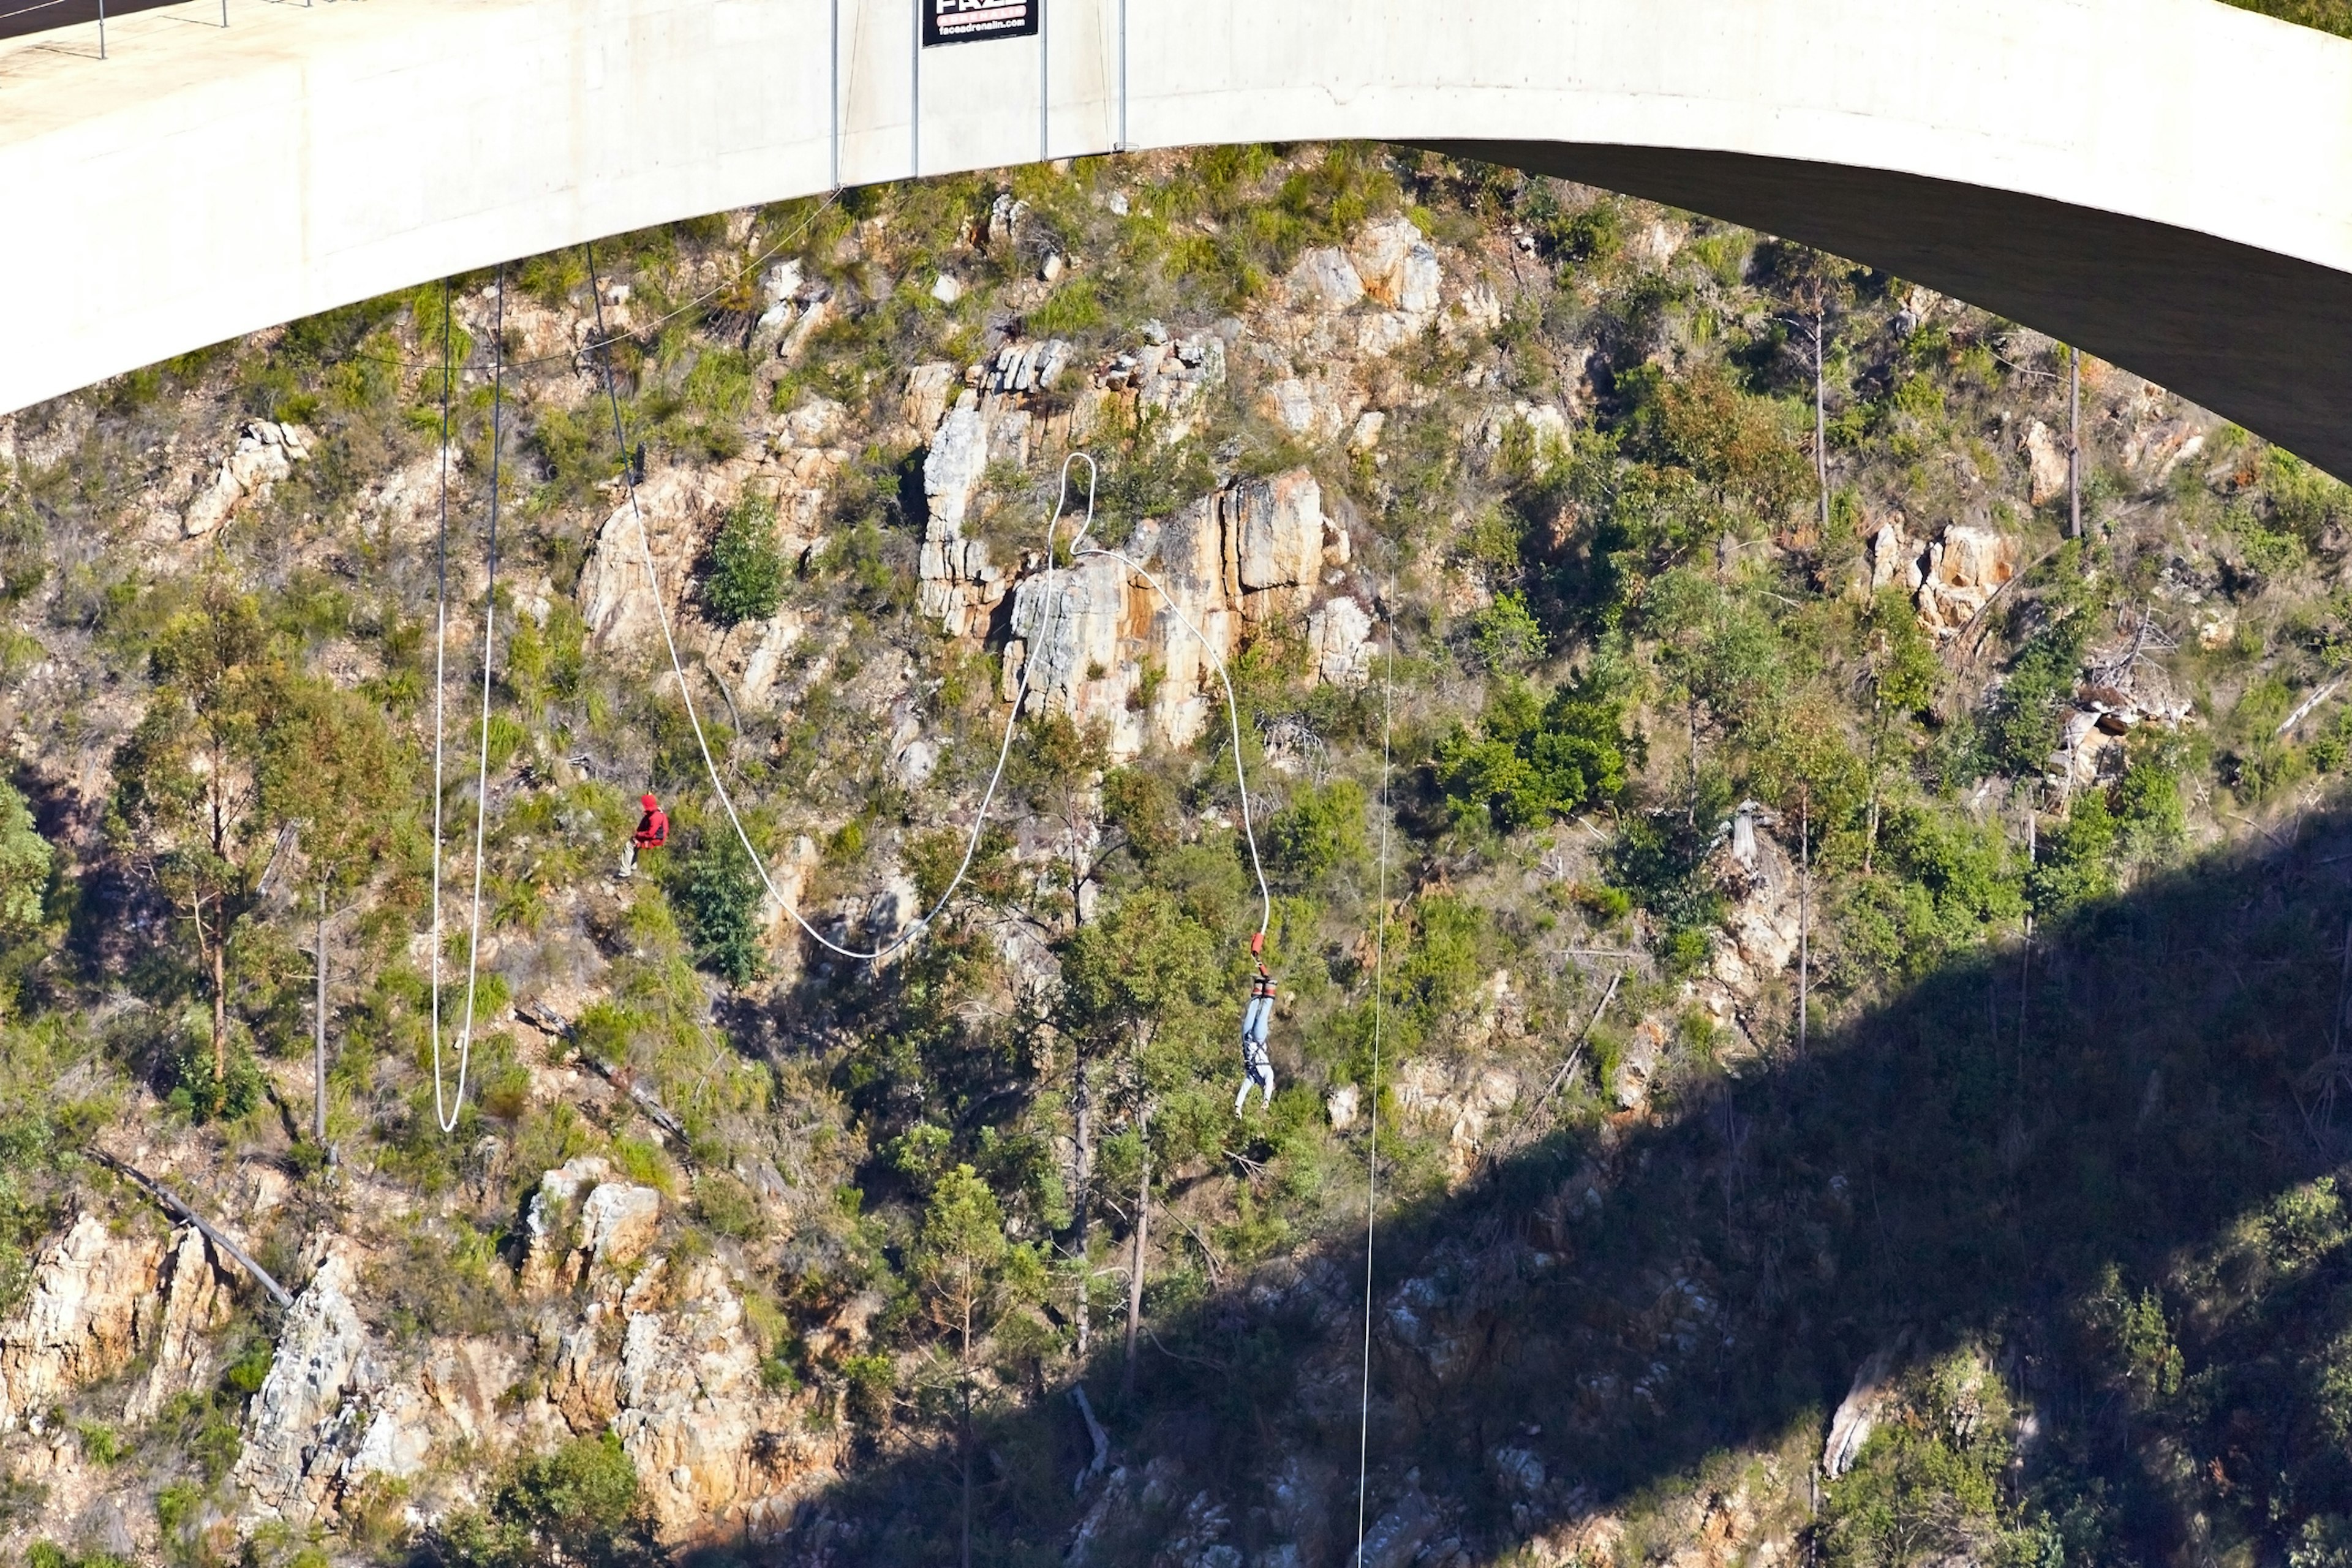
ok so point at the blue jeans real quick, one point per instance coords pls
(1257, 1067)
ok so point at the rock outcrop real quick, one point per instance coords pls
(1951, 578)
(1246, 557)
(81, 1319)
(291, 1461)
(98, 1303)
(264, 453)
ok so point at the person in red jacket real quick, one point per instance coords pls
(652, 832)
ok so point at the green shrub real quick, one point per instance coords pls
(744, 579)
(1530, 760)
(1321, 828)
(719, 894)
(1506, 635)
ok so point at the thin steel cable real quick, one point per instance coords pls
(1372, 1139)
(445, 1113)
(693, 718)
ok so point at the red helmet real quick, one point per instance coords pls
(648, 802)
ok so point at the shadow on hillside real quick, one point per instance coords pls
(1626, 1303)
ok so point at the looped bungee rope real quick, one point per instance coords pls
(1060, 604)
(447, 1109)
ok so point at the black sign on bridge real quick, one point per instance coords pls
(973, 21)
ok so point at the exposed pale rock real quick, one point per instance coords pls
(1279, 540)
(193, 1302)
(1395, 1537)
(396, 1441)
(1964, 569)
(1398, 267)
(1160, 385)
(1324, 280)
(678, 505)
(1762, 919)
(754, 654)
(1342, 1106)
(547, 1222)
(1247, 555)
(959, 585)
(2045, 459)
(1859, 1413)
(285, 1468)
(614, 1223)
(924, 402)
(1365, 434)
(1463, 1101)
(464, 1380)
(948, 288)
(1338, 638)
(91, 1295)
(264, 453)
(953, 466)
(1638, 1063)
(693, 1416)
(1893, 560)
(618, 1223)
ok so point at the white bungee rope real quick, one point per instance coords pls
(1005, 749)
(446, 1110)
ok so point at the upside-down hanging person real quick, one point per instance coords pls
(1257, 1067)
(653, 832)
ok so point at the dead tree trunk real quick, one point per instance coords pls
(1134, 1269)
(1083, 1093)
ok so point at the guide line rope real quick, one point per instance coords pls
(446, 1110)
(693, 718)
(1372, 1137)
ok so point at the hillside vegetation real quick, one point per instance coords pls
(1842, 975)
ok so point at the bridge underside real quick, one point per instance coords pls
(2180, 209)
(2259, 338)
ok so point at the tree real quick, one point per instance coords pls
(1146, 978)
(1821, 286)
(329, 764)
(25, 860)
(971, 1273)
(189, 778)
(745, 580)
(1904, 674)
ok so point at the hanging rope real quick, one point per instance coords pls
(1372, 1139)
(446, 1110)
(693, 720)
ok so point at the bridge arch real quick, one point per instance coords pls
(2167, 182)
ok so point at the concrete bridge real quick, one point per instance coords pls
(2167, 182)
